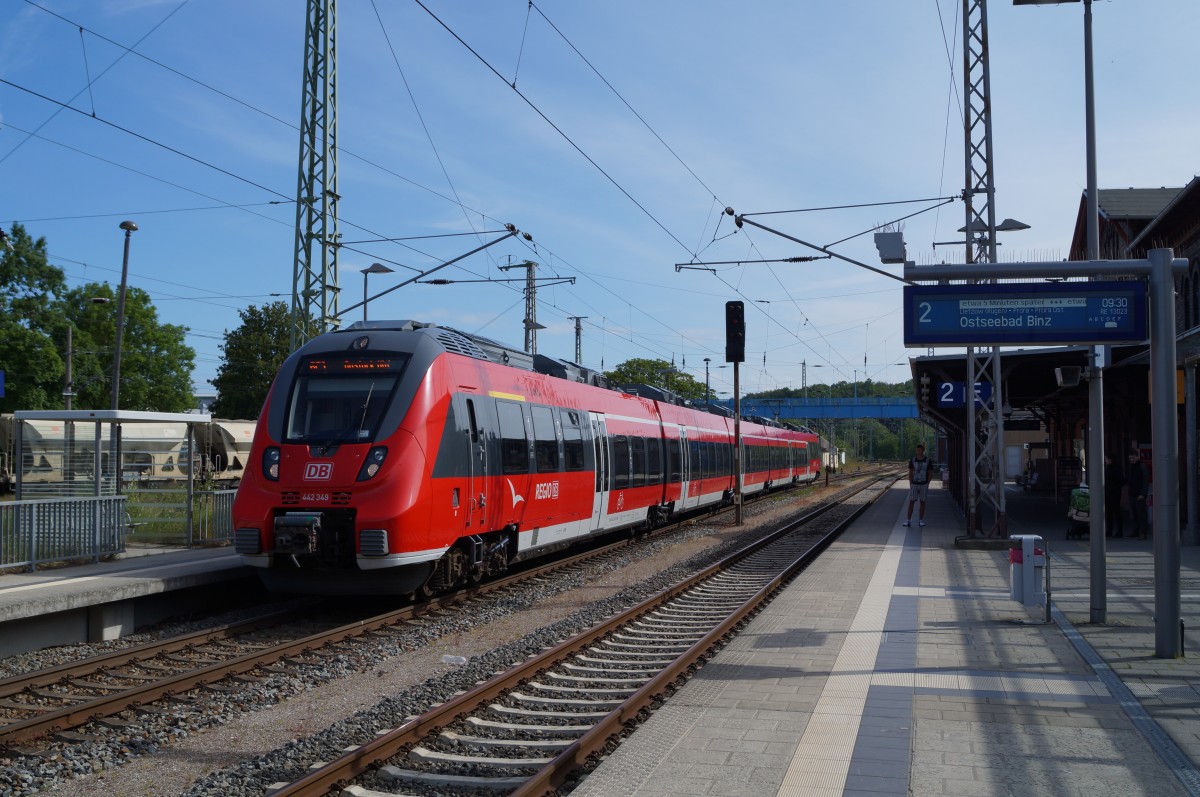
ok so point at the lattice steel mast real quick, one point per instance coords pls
(985, 433)
(315, 270)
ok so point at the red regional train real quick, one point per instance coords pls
(397, 457)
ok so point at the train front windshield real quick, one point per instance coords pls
(342, 400)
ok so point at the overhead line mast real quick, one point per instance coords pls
(985, 434)
(315, 266)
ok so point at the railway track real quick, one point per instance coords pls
(56, 700)
(536, 727)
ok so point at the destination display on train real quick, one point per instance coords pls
(1028, 313)
(342, 365)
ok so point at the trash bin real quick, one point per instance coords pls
(1027, 570)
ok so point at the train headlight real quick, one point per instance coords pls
(270, 463)
(375, 458)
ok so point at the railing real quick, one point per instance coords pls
(214, 515)
(60, 529)
(39, 531)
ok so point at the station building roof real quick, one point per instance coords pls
(1125, 213)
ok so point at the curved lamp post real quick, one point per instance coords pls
(374, 268)
(129, 227)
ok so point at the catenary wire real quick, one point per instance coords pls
(145, 36)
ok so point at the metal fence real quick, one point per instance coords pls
(61, 529)
(40, 531)
(214, 515)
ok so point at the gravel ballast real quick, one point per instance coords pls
(237, 742)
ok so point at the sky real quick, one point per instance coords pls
(613, 133)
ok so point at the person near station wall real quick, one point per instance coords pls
(1135, 480)
(1114, 483)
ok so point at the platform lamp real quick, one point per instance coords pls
(1099, 354)
(374, 268)
(707, 394)
(130, 228)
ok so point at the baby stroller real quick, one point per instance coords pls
(1079, 513)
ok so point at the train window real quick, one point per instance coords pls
(694, 469)
(674, 460)
(545, 442)
(338, 409)
(597, 444)
(637, 454)
(620, 462)
(471, 419)
(573, 450)
(653, 460)
(514, 445)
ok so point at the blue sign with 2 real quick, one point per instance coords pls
(954, 394)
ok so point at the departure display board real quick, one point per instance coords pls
(1030, 313)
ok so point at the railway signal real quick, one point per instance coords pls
(735, 332)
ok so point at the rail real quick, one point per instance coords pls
(74, 686)
(333, 776)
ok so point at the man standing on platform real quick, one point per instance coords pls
(918, 483)
(1114, 481)
(1136, 481)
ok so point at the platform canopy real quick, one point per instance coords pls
(112, 416)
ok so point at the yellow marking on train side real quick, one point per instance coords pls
(498, 394)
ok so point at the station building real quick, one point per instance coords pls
(1045, 415)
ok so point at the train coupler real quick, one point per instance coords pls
(297, 532)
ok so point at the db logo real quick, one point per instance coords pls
(318, 471)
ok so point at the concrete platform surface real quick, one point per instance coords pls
(26, 595)
(899, 665)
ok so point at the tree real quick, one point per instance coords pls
(658, 373)
(251, 356)
(32, 365)
(156, 364)
(36, 311)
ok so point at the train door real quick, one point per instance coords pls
(686, 500)
(476, 471)
(601, 485)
